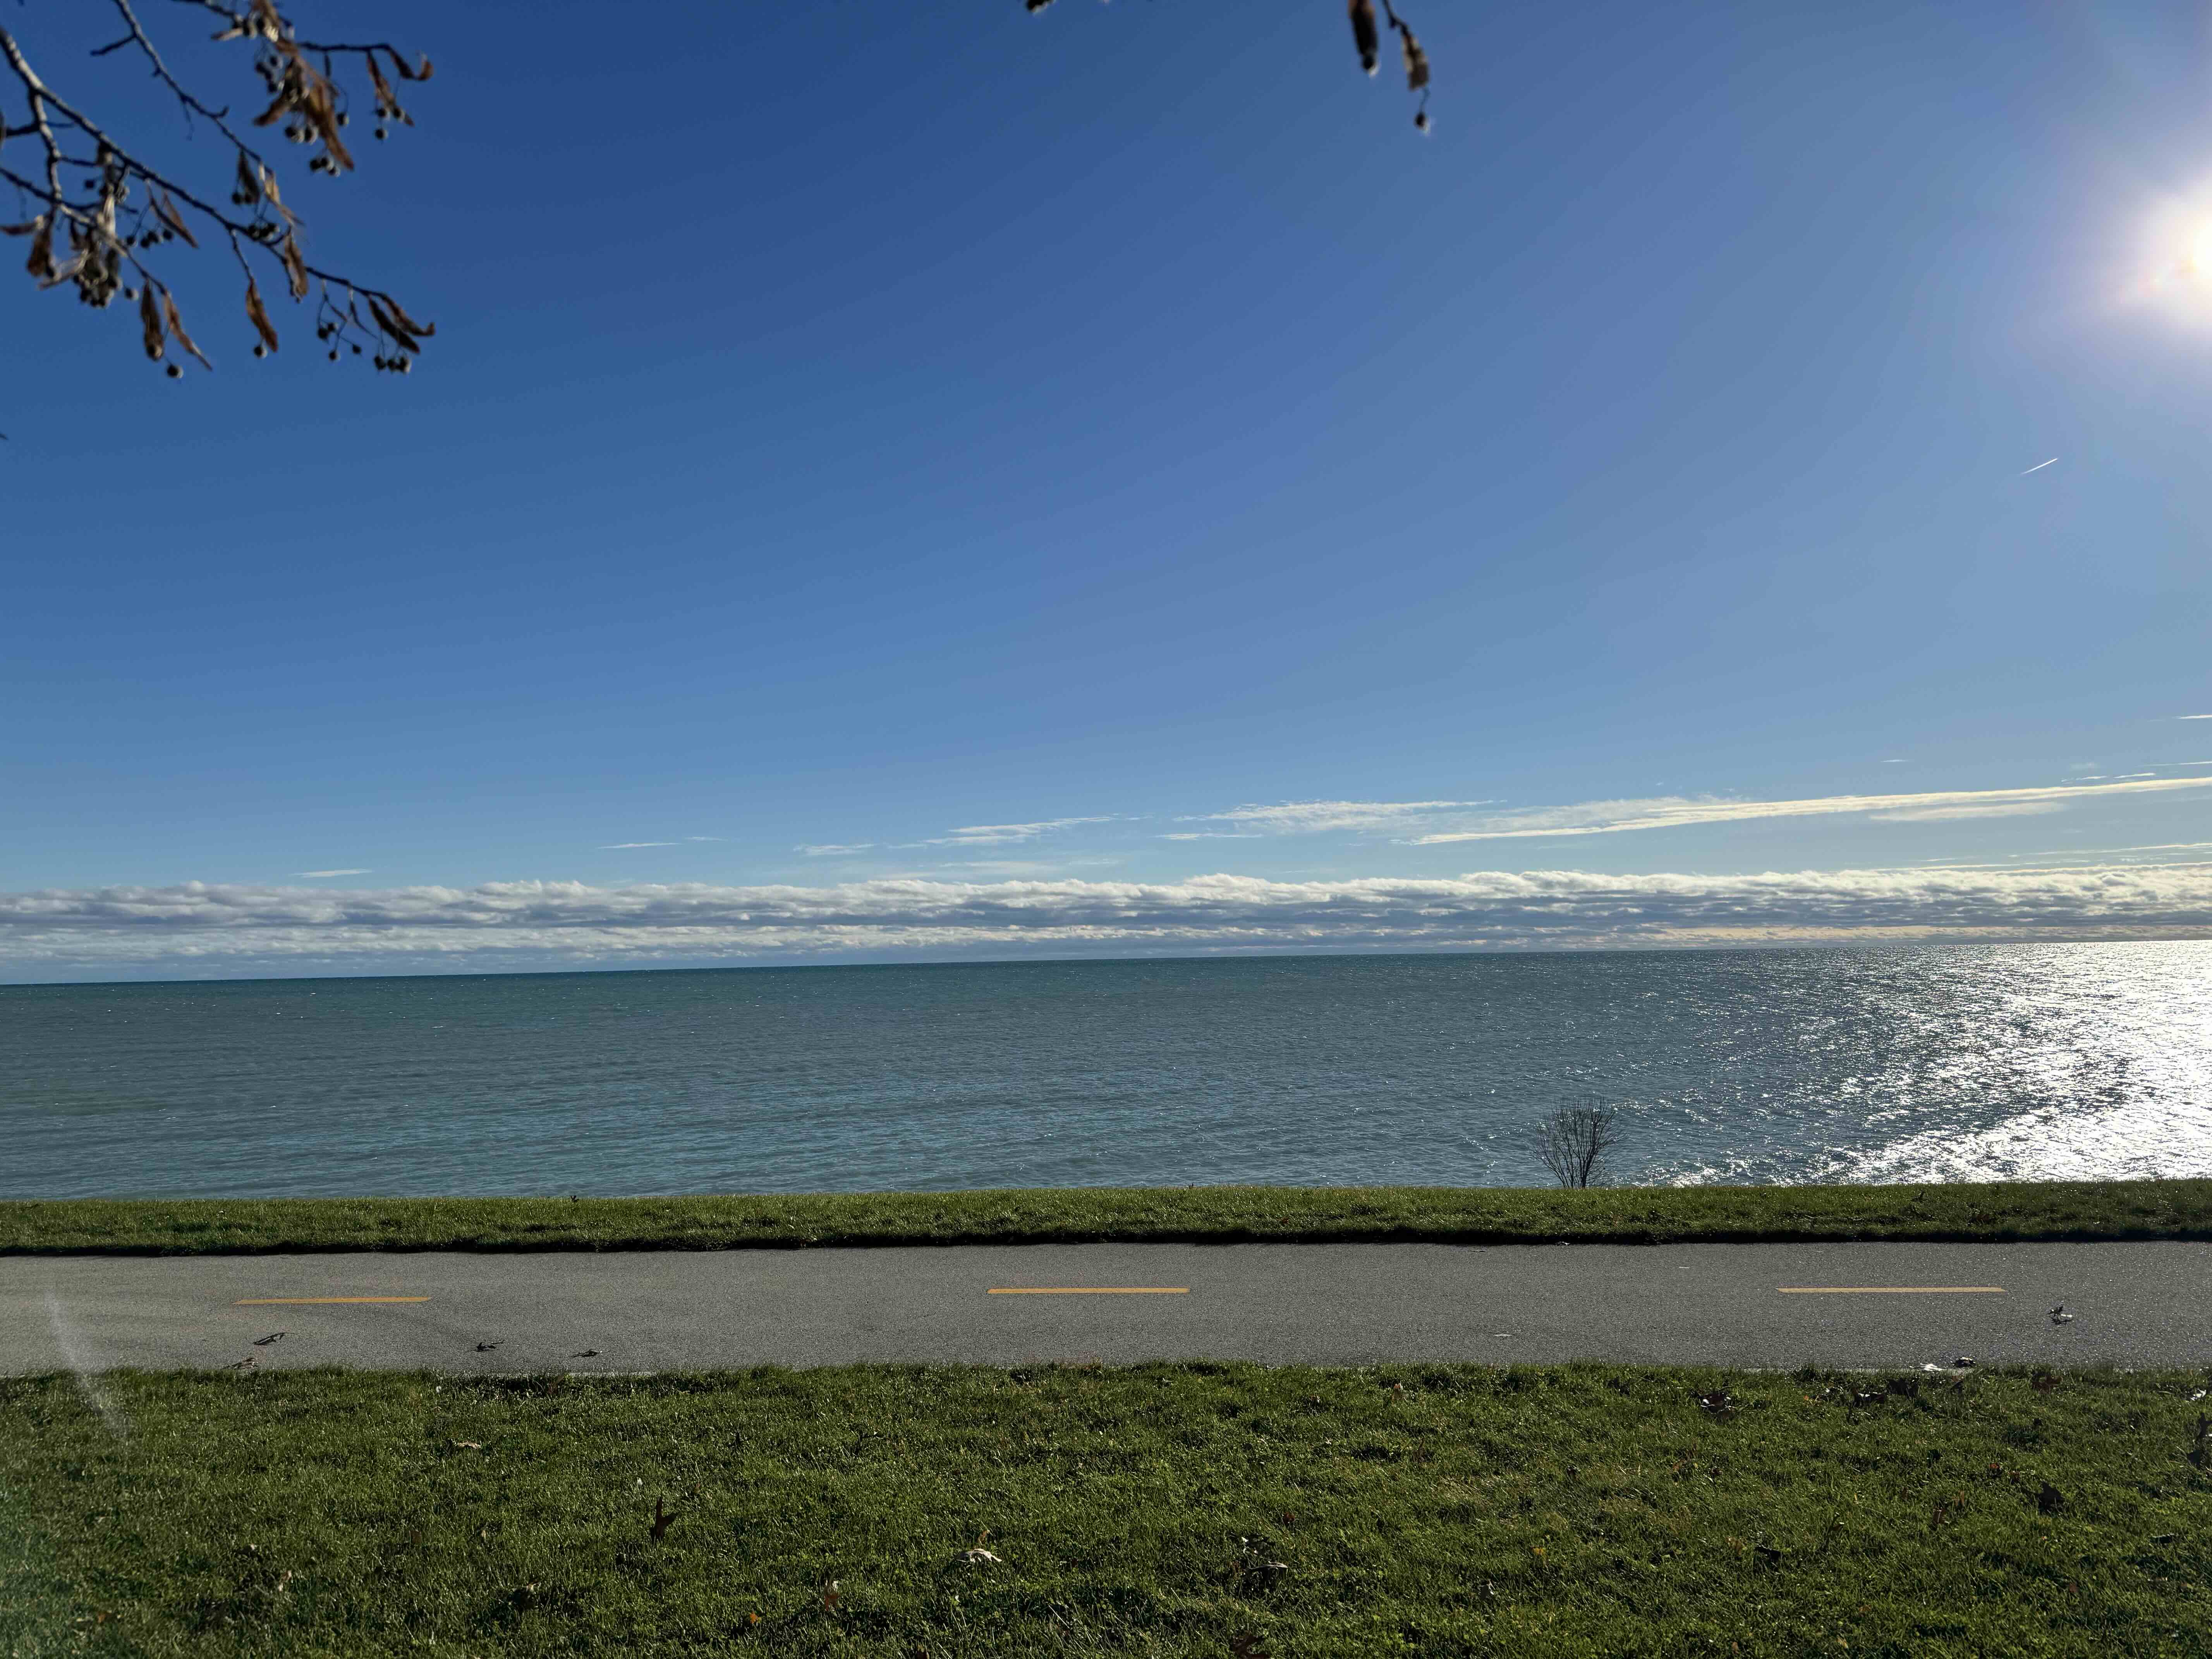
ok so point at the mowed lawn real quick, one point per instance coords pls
(1215, 1510)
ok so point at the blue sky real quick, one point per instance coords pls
(851, 425)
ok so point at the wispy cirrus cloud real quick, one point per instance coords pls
(210, 930)
(314, 875)
(1605, 817)
(1298, 817)
(997, 834)
(623, 846)
(836, 849)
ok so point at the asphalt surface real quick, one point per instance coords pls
(2134, 1304)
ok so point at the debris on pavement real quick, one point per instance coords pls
(264, 1341)
(2060, 1316)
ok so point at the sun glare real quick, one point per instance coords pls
(2174, 266)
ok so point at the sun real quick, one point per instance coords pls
(2172, 266)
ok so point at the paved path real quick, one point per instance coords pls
(1736, 1304)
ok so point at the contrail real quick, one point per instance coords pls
(2039, 465)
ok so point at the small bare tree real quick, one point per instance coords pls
(1577, 1140)
(98, 207)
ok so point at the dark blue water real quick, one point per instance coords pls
(1941, 1063)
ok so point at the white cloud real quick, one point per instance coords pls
(318, 874)
(1602, 817)
(994, 835)
(1297, 817)
(2193, 717)
(1968, 809)
(621, 845)
(1214, 835)
(833, 849)
(207, 929)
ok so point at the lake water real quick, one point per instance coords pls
(2037, 1061)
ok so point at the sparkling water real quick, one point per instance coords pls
(1942, 1062)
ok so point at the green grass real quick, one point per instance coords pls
(2007, 1211)
(1431, 1510)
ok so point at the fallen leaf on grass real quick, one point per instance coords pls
(466, 1445)
(663, 1518)
(1246, 1646)
(830, 1596)
(977, 1558)
(2049, 1500)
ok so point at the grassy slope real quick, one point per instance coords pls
(1585, 1509)
(2007, 1211)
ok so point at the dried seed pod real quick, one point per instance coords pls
(1417, 61)
(1365, 35)
(258, 316)
(149, 323)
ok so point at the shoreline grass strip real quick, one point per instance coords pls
(2008, 1212)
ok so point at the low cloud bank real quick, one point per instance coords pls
(203, 929)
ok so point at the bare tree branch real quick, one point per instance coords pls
(129, 206)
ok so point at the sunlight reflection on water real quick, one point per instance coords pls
(1949, 1062)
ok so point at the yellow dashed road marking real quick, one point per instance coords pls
(1088, 1290)
(1890, 1289)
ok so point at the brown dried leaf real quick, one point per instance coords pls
(276, 111)
(1365, 35)
(390, 325)
(1417, 61)
(249, 179)
(176, 328)
(175, 220)
(258, 316)
(23, 229)
(387, 102)
(421, 72)
(426, 329)
(41, 261)
(322, 110)
(149, 322)
(295, 266)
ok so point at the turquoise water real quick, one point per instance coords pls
(1934, 1063)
